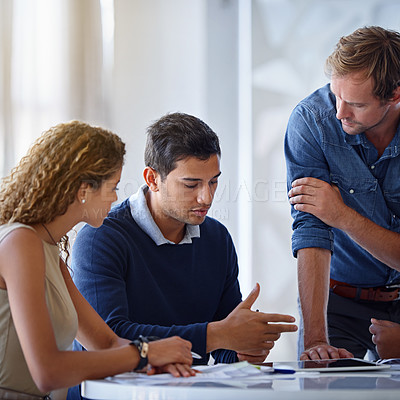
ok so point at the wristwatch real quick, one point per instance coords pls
(142, 344)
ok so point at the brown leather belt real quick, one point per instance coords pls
(381, 293)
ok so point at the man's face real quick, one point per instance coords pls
(186, 194)
(357, 107)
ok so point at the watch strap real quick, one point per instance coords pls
(143, 347)
(142, 344)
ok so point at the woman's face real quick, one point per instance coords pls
(98, 202)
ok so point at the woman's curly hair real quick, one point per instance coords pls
(47, 179)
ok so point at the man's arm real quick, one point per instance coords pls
(248, 335)
(313, 277)
(323, 200)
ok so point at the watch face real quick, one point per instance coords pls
(145, 350)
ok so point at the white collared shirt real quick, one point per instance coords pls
(142, 216)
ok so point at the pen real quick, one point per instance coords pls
(195, 355)
(284, 371)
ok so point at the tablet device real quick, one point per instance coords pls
(332, 365)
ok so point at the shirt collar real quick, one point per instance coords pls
(142, 216)
(392, 150)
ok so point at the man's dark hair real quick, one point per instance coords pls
(175, 137)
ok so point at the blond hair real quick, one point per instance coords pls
(47, 179)
(372, 50)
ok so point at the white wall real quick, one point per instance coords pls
(159, 68)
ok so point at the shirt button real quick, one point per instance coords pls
(372, 166)
(351, 191)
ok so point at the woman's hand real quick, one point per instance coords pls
(176, 370)
(170, 355)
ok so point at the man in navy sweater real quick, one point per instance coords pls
(159, 266)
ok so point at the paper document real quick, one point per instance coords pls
(239, 374)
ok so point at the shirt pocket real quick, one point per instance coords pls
(357, 192)
(392, 199)
(391, 186)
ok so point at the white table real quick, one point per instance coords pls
(310, 386)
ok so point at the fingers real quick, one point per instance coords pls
(271, 325)
(176, 370)
(253, 358)
(304, 189)
(246, 329)
(255, 353)
(383, 322)
(170, 350)
(265, 317)
(271, 337)
(343, 353)
(323, 352)
(263, 347)
(251, 298)
(377, 325)
(301, 193)
(307, 181)
(184, 370)
(280, 328)
(262, 331)
(304, 356)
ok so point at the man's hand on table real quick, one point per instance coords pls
(321, 351)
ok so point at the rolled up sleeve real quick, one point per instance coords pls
(305, 158)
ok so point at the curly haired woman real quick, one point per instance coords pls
(69, 175)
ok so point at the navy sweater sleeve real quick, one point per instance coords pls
(139, 288)
(230, 299)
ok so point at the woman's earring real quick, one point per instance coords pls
(83, 201)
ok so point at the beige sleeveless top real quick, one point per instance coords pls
(14, 372)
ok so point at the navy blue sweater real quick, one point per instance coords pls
(138, 287)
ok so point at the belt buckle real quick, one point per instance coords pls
(394, 287)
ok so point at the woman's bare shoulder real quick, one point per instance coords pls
(20, 235)
(21, 248)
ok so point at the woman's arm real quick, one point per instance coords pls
(95, 334)
(22, 267)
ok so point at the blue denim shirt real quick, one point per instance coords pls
(317, 146)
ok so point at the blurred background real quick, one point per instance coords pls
(240, 65)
